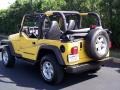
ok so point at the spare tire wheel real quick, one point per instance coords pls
(97, 43)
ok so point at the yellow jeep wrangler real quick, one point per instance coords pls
(59, 41)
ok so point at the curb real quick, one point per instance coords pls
(116, 60)
(3, 36)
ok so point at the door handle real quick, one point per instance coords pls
(33, 43)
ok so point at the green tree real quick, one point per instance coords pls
(109, 11)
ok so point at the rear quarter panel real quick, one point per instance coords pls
(68, 45)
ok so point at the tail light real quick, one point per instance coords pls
(74, 50)
(110, 44)
(92, 26)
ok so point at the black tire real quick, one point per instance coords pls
(91, 43)
(58, 72)
(10, 61)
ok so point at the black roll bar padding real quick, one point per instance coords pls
(77, 31)
(64, 20)
(63, 17)
(79, 34)
(62, 13)
(30, 15)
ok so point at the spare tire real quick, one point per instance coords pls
(97, 43)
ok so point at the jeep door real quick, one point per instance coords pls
(29, 38)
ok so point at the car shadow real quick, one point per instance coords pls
(118, 71)
(111, 63)
(25, 75)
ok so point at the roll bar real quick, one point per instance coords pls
(93, 14)
(62, 14)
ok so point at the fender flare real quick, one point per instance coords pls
(8, 43)
(55, 50)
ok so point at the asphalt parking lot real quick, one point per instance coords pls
(25, 77)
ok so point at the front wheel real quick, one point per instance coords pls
(7, 58)
(51, 71)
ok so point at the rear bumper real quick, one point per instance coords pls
(86, 67)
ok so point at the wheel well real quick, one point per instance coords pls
(9, 44)
(50, 50)
(43, 52)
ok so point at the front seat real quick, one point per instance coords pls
(71, 25)
(54, 33)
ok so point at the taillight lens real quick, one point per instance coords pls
(92, 26)
(74, 50)
(110, 44)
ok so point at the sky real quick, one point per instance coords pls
(4, 4)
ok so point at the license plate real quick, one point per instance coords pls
(73, 58)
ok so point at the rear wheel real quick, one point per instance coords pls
(97, 44)
(101, 45)
(7, 58)
(51, 71)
